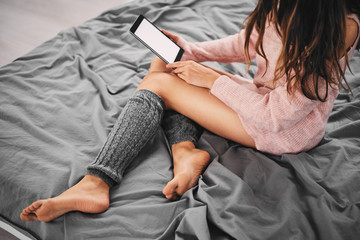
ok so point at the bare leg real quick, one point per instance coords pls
(199, 105)
(90, 195)
(188, 161)
(158, 65)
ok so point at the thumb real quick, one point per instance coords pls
(173, 37)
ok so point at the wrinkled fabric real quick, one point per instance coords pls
(59, 102)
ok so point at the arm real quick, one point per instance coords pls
(270, 110)
(220, 72)
(226, 50)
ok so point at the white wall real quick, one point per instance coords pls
(25, 24)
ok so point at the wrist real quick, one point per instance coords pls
(213, 79)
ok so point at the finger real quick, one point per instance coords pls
(170, 35)
(175, 65)
(178, 70)
(166, 32)
(182, 76)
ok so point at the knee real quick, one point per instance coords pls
(158, 65)
(156, 82)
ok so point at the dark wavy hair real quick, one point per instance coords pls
(313, 35)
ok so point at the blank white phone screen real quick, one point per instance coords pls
(157, 41)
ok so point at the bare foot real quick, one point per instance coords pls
(189, 163)
(90, 195)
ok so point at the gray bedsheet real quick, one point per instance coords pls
(59, 102)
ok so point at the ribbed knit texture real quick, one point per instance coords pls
(278, 123)
(136, 125)
(179, 128)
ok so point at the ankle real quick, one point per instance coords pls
(95, 181)
(182, 147)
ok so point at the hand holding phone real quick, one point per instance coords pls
(156, 40)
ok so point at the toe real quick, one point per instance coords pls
(28, 217)
(31, 208)
(37, 204)
(34, 206)
(170, 188)
(28, 213)
(171, 196)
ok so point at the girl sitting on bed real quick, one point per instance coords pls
(301, 47)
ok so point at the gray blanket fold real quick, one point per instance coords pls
(59, 102)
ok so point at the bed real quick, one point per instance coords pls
(59, 102)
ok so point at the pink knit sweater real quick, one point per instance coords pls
(278, 123)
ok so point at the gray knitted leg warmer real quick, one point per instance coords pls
(179, 128)
(136, 125)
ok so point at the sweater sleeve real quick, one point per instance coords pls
(269, 110)
(225, 50)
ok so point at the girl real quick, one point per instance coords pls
(301, 47)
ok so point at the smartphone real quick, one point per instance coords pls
(153, 38)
